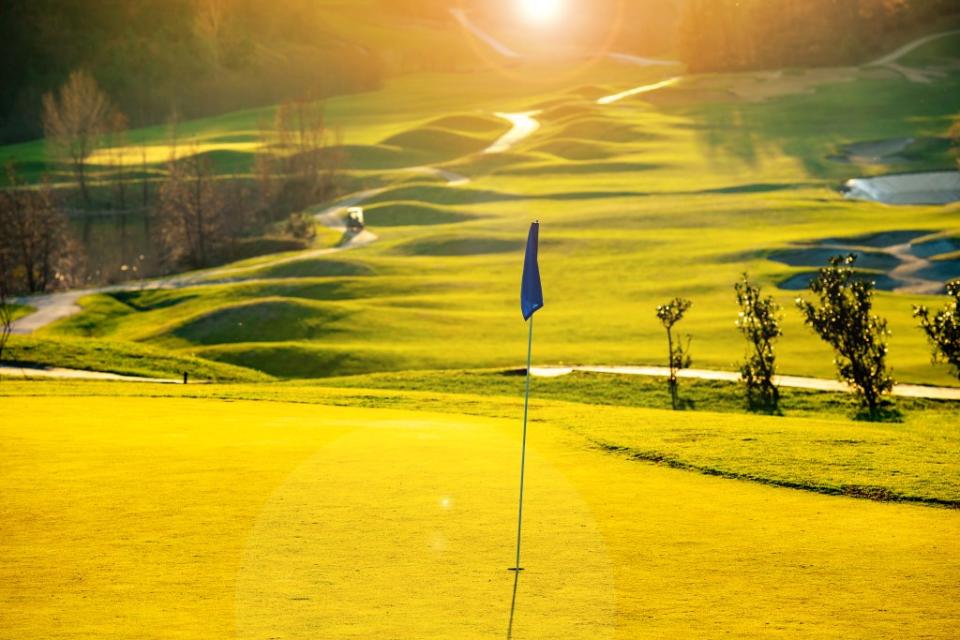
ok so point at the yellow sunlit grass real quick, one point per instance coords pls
(132, 155)
(181, 518)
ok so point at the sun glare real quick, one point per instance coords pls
(541, 12)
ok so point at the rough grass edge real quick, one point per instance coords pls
(865, 492)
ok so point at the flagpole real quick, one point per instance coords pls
(523, 447)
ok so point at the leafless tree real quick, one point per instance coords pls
(118, 142)
(192, 213)
(6, 312)
(38, 252)
(299, 159)
(210, 18)
(75, 121)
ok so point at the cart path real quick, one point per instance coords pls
(795, 382)
(524, 125)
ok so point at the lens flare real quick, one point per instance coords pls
(541, 12)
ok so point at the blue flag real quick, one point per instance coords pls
(531, 294)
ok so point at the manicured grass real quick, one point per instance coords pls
(817, 447)
(120, 357)
(337, 519)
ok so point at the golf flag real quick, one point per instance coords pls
(531, 294)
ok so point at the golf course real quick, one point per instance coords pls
(324, 439)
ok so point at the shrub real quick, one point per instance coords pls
(845, 321)
(759, 322)
(669, 315)
(943, 330)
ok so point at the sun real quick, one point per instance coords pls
(541, 12)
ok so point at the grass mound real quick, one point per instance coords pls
(571, 168)
(266, 320)
(484, 163)
(403, 214)
(590, 91)
(576, 149)
(439, 195)
(448, 246)
(293, 360)
(124, 358)
(314, 268)
(376, 156)
(470, 123)
(598, 129)
(228, 161)
(439, 141)
(567, 111)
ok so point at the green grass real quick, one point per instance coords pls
(404, 214)
(939, 52)
(19, 310)
(121, 358)
(639, 202)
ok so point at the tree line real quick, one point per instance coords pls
(730, 35)
(841, 315)
(204, 56)
(196, 217)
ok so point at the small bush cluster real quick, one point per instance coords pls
(842, 316)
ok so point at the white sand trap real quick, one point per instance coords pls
(937, 187)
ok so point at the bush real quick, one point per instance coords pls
(759, 322)
(943, 330)
(845, 321)
(669, 315)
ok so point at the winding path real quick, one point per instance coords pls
(890, 61)
(524, 126)
(53, 307)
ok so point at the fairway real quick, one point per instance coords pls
(188, 518)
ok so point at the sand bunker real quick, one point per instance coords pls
(936, 187)
(900, 261)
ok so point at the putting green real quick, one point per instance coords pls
(180, 518)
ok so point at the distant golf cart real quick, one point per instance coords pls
(355, 220)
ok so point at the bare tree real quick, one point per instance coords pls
(6, 312)
(297, 165)
(210, 18)
(38, 251)
(118, 126)
(192, 214)
(75, 121)
(954, 134)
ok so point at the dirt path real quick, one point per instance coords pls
(795, 382)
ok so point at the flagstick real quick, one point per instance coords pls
(523, 449)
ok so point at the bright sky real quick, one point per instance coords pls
(541, 12)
